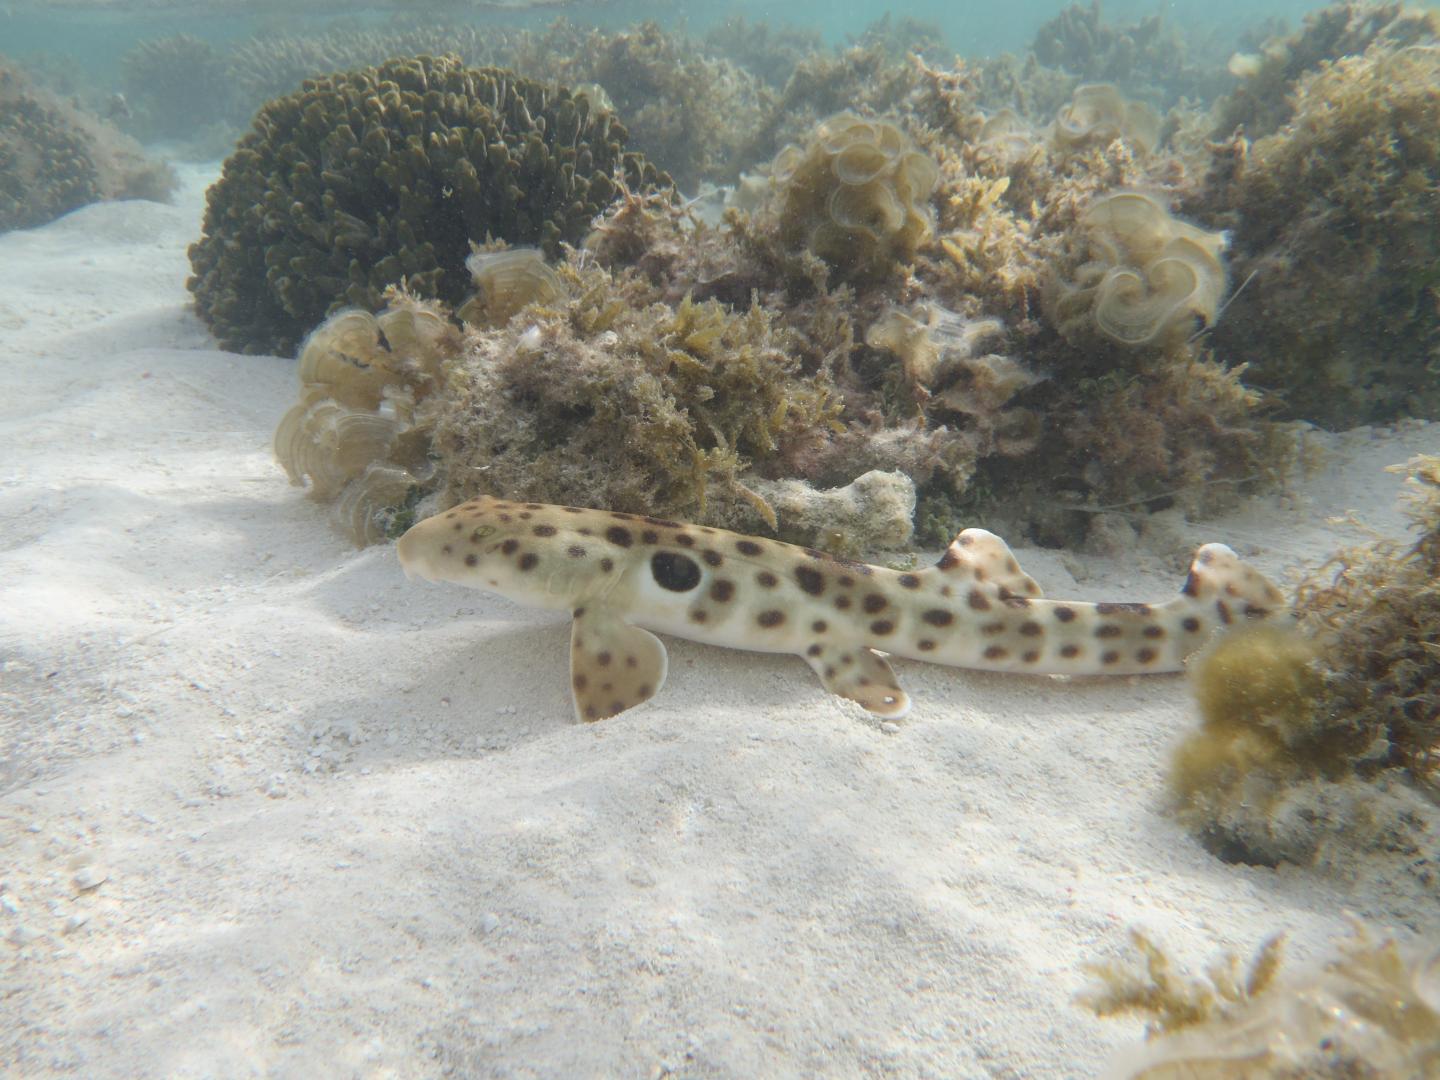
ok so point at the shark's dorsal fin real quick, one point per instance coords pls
(983, 558)
(613, 666)
(1217, 577)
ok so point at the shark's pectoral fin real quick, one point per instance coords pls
(863, 676)
(613, 666)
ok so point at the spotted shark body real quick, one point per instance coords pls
(623, 576)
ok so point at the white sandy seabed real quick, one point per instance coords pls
(267, 809)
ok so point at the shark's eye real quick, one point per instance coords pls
(673, 571)
(481, 532)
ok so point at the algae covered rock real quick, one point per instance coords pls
(1264, 101)
(363, 178)
(610, 397)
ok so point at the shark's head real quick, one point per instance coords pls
(525, 551)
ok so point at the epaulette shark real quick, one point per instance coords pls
(623, 576)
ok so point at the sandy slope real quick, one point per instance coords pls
(346, 825)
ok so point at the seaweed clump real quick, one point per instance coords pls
(54, 158)
(614, 398)
(1264, 101)
(856, 195)
(1372, 1012)
(1335, 225)
(1098, 114)
(1147, 56)
(1322, 744)
(366, 177)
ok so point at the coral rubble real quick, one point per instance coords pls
(364, 178)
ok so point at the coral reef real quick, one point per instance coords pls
(856, 195)
(1335, 230)
(597, 393)
(359, 438)
(1147, 279)
(55, 158)
(366, 177)
(1372, 1012)
(925, 353)
(1322, 746)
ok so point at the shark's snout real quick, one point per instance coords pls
(411, 550)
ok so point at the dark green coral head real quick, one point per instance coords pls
(365, 178)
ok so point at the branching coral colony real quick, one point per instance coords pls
(365, 177)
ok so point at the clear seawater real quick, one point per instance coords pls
(98, 35)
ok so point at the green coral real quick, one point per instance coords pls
(1334, 216)
(364, 178)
